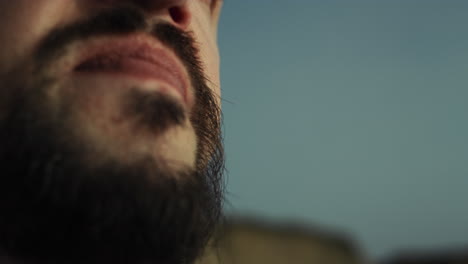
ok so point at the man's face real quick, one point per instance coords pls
(97, 91)
(109, 128)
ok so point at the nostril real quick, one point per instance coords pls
(179, 15)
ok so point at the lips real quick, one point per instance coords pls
(136, 59)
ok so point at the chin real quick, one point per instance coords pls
(129, 124)
(174, 150)
(177, 148)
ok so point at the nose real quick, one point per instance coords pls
(176, 11)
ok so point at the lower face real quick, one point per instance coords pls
(100, 159)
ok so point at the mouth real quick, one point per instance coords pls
(134, 58)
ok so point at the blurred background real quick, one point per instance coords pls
(349, 116)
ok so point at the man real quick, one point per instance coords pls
(110, 144)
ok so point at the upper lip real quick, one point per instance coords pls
(141, 48)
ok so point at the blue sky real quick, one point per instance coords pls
(349, 115)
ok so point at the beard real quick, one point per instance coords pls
(62, 201)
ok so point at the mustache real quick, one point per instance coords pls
(119, 21)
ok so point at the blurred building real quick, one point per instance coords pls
(254, 242)
(432, 257)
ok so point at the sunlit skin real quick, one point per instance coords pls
(25, 23)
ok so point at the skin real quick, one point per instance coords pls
(25, 23)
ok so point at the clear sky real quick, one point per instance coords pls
(349, 114)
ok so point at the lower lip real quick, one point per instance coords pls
(134, 68)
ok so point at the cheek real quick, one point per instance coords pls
(210, 57)
(203, 25)
(24, 23)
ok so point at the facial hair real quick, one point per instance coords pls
(59, 207)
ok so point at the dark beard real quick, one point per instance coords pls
(58, 207)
